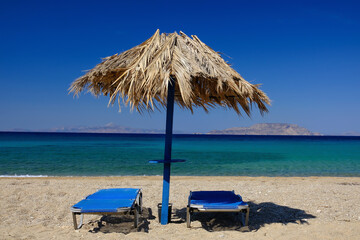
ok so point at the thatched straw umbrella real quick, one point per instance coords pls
(167, 68)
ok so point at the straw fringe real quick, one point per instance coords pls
(140, 77)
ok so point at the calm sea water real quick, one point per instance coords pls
(74, 154)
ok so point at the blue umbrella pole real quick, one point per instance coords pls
(167, 156)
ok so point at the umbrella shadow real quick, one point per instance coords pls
(268, 212)
(123, 223)
(260, 214)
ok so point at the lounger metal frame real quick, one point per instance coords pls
(135, 209)
(192, 208)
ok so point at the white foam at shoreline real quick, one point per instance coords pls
(22, 176)
(38, 176)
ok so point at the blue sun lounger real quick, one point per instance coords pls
(215, 201)
(113, 201)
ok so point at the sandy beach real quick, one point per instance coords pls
(281, 208)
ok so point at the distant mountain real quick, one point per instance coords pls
(109, 128)
(18, 130)
(267, 129)
(351, 134)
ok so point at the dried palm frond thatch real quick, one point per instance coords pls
(140, 76)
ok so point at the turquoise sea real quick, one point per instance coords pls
(85, 154)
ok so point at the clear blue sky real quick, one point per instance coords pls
(305, 53)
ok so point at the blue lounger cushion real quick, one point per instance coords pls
(107, 200)
(216, 199)
(103, 205)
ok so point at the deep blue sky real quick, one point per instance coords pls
(306, 55)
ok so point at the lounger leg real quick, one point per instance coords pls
(247, 216)
(140, 204)
(76, 226)
(81, 220)
(74, 220)
(188, 217)
(136, 216)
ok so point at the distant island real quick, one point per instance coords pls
(257, 129)
(108, 128)
(267, 129)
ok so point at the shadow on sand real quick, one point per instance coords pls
(123, 223)
(260, 214)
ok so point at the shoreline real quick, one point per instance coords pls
(176, 134)
(152, 177)
(280, 208)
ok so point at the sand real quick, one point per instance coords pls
(281, 208)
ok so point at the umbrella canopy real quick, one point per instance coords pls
(141, 75)
(170, 68)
